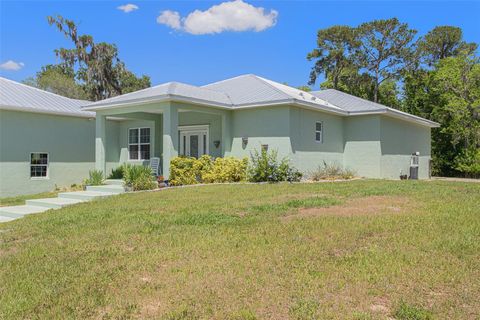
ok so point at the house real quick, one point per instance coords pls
(233, 117)
(47, 140)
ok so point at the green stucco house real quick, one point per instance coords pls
(48, 140)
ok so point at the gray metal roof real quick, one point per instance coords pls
(250, 89)
(18, 96)
(348, 102)
(169, 89)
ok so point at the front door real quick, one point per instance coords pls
(194, 142)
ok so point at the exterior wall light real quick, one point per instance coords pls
(244, 141)
(216, 143)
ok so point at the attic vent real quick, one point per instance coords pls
(314, 98)
(301, 94)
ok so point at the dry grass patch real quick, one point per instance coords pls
(372, 205)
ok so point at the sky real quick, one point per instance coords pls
(199, 42)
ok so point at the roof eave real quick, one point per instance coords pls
(399, 115)
(44, 111)
(162, 98)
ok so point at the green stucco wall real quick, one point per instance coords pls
(362, 145)
(308, 154)
(69, 142)
(399, 139)
(269, 126)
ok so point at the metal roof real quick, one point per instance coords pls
(18, 96)
(347, 101)
(166, 90)
(253, 91)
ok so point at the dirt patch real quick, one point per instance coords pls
(358, 206)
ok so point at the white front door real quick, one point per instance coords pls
(194, 141)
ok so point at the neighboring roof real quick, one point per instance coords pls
(18, 96)
(357, 106)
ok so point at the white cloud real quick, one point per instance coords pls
(227, 16)
(128, 7)
(12, 65)
(170, 18)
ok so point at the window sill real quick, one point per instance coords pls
(39, 178)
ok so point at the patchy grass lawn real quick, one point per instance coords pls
(351, 250)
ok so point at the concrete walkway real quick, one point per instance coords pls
(112, 187)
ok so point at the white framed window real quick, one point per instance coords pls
(319, 131)
(38, 165)
(139, 144)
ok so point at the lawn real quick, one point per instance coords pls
(349, 250)
(19, 200)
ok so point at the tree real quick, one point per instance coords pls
(333, 54)
(443, 42)
(385, 47)
(58, 79)
(98, 67)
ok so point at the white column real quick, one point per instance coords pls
(100, 137)
(170, 137)
(227, 137)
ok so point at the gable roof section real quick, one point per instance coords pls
(358, 106)
(18, 96)
(168, 91)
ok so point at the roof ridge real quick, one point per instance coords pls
(41, 90)
(263, 80)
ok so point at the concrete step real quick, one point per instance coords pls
(53, 203)
(107, 188)
(116, 182)
(16, 211)
(85, 195)
(6, 219)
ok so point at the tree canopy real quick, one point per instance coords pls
(89, 70)
(435, 76)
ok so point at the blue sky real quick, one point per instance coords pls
(276, 52)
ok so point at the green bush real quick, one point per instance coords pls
(138, 177)
(265, 166)
(227, 169)
(116, 173)
(468, 162)
(331, 172)
(95, 178)
(183, 171)
(186, 170)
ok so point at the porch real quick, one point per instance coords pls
(164, 130)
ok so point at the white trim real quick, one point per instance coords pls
(321, 132)
(47, 177)
(183, 132)
(139, 129)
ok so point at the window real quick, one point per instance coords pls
(139, 144)
(319, 131)
(38, 165)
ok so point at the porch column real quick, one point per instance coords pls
(100, 136)
(227, 130)
(170, 137)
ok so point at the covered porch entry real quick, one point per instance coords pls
(164, 130)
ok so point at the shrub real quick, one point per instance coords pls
(468, 162)
(227, 169)
(331, 171)
(185, 170)
(265, 166)
(138, 177)
(95, 178)
(116, 173)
